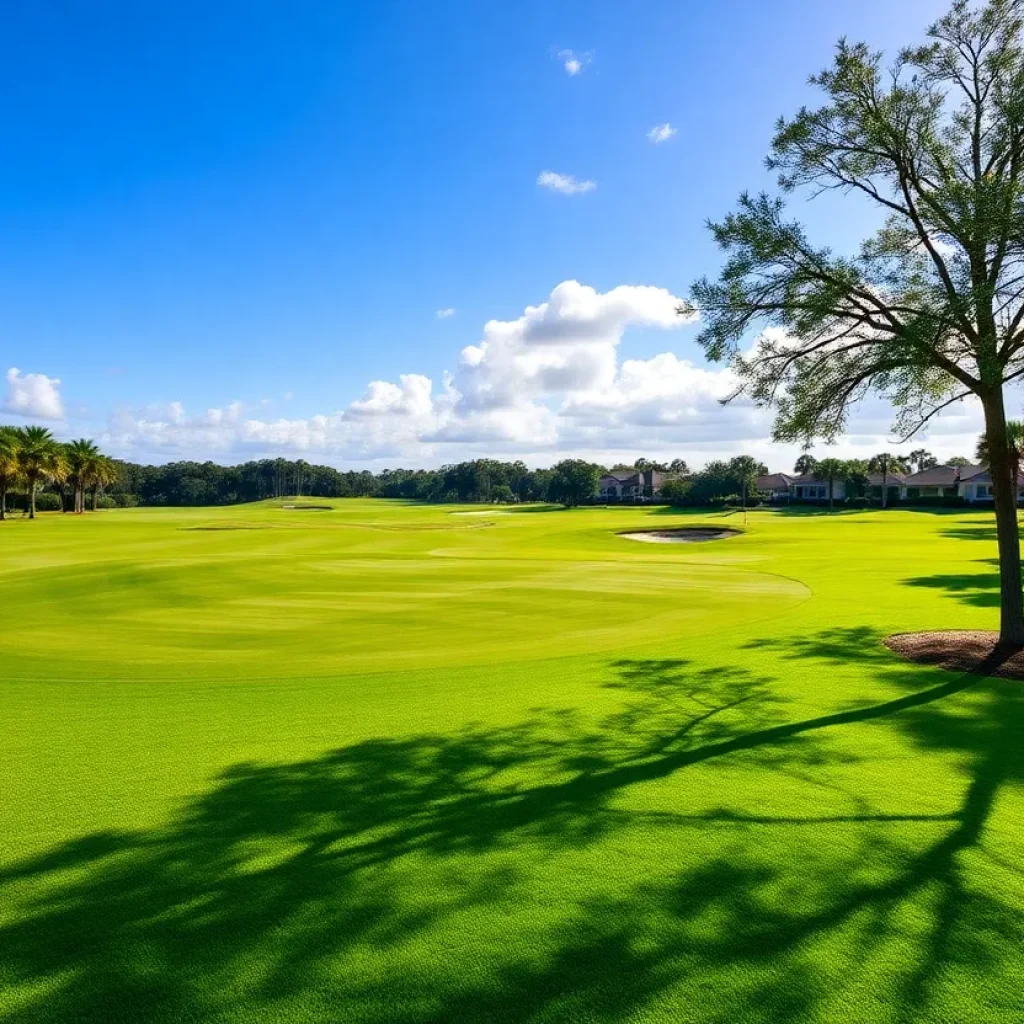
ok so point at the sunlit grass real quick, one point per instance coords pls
(383, 762)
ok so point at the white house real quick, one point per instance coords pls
(976, 485)
(777, 486)
(630, 483)
(809, 488)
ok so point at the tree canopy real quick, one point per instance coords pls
(930, 309)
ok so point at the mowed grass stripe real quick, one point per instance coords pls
(366, 766)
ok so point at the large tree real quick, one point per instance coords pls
(10, 463)
(805, 464)
(922, 459)
(830, 470)
(573, 481)
(886, 463)
(1015, 440)
(41, 457)
(930, 310)
(746, 470)
(82, 456)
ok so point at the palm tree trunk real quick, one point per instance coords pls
(95, 497)
(3, 501)
(32, 498)
(1004, 494)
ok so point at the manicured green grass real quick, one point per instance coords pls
(393, 763)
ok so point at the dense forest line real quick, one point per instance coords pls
(38, 471)
(480, 480)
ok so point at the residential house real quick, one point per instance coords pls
(809, 488)
(936, 482)
(630, 483)
(893, 485)
(777, 486)
(976, 485)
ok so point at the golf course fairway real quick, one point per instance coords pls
(391, 762)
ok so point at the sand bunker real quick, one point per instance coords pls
(308, 508)
(681, 535)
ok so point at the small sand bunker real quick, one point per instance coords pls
(681, 534)
(484, 512)
(960, 650)
(307, 508)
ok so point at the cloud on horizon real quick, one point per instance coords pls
(544, 385)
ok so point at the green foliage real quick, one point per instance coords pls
(382, 764)
(1015, 439)
(676, 491)
(573, 481)
(805, 464)
(921, 459)
(930, 310)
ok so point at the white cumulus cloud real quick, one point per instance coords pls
(574, 62)
(33, 395)
(542, 385)
(661, 133)
(567, 184)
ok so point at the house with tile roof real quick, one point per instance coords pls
(630, 483)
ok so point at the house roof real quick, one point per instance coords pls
(892, 480)
(941, 476)
(634, 476)
(774, 482)
(980, 475)
(807, 478)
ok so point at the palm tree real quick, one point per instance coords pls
(805, 464)
(830, 470)
(886, 464)
(102, 472)
(1015, 440)
(81, 455)
(41, 457)
(922, 459)
(10, 464)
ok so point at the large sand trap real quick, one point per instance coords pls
(681, 535)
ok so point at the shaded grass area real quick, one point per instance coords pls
(778, 822)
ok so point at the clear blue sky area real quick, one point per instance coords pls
(207, 202)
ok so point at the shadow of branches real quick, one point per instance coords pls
(494, 874)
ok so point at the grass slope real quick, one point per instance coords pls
(392, 763)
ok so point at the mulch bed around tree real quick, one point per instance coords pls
(961, 650)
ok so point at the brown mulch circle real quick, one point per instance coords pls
(961, 650)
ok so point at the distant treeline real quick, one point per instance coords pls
(207, 483)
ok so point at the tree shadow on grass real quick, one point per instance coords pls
(979, 589)
(417, 879)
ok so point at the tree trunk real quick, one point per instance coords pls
(1004, 495)
(31, 499)
(95, 498)
(885, 485)
(3, 501)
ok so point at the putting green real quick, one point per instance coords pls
(391, 762)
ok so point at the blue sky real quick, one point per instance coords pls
(221, 223)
